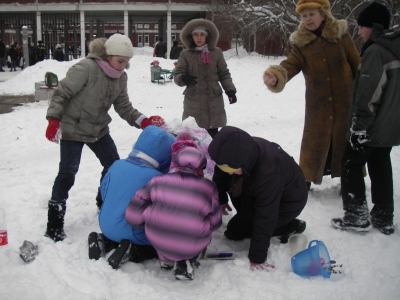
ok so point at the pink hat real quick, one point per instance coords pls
(156, 62)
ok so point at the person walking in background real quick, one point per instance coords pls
(201, 68)
(58, 53)
(40, 51)
(2, 55)
(150, 156)
(178, 210)
(323, 50)
(265, 185)
(374, 125)
(76, 118)
(12, 52)
(160, 49)
(175, 51)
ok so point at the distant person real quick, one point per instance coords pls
(40, 51)
(155, 71)
(373, 127)
(32, 54)
(2, 55)
(12, 52)
(265, 185)
(78, 116)
(58, 53)
(179, 210)
(175, 51)
(202, 68)
(323, 50)
(161, 49)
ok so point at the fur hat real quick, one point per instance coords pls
(119, 44)
(374, 13)
(319, 4)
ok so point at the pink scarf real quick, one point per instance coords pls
(110, 71)
(205, 54)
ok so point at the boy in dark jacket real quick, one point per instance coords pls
(374, 125)
(266, 186)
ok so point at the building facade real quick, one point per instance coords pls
(73, 24)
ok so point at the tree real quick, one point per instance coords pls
(277, 19)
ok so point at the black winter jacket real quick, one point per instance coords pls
(274, 185)
(375, 104)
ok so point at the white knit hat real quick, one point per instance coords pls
(119, 44)
(200, 28)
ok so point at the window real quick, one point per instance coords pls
(146, 26)
(139, 25)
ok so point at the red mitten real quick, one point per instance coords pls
(53, 132)
(153, 120)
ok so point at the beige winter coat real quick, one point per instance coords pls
(82, 99)
(204, 101)
(329, 64)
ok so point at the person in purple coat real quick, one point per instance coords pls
(178, 210)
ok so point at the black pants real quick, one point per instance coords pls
(380, 172)
(212, 132)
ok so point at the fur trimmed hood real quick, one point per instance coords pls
(212, 37)
(98, 51)
(333, 31)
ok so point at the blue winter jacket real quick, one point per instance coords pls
(151, 156)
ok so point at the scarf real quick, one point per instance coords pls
(205, 54)
(318, 32)
(110, 71)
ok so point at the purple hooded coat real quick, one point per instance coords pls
(179, 210)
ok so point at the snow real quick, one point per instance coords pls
(29, 164)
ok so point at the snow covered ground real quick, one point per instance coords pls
(29, 164)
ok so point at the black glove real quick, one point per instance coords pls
(188, 80)
(357, 138)
(232, 97)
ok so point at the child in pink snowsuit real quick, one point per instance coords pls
(178, 210)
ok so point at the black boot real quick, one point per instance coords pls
(285, 231)
(99, 199)
(55, 223)
(126, 251)
(356, 216)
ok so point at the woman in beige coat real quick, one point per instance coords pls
(202, 67)
(323, 50)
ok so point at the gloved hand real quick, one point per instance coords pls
(153, 120)
(188, 80)
(53, 132)
(357, 138)
(232, 97)
(264, 266)
(225, 208)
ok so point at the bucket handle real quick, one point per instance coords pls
(309, 244)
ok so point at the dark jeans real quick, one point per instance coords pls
(212, 132)
(380, 173)
(70, 157)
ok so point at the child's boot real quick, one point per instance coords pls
(382, 219)
(55, 223)
(356, 217)
(183, 270)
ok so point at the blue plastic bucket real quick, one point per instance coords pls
(312, 261)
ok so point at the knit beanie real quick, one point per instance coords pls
(319, 4)
(119, 44)
(202, 29)
(374, 13)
